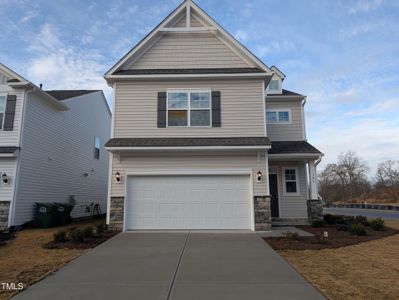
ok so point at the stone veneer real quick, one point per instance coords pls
(315, 210)
(116, 213)
(263, 217)
(4, 210)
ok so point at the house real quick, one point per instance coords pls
(203, 135)
(51, 148)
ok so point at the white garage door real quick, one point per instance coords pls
(188, 202)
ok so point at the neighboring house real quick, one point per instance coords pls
(204, 136)
(51, 148)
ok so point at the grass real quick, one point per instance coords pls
(369, 270)
(25, 260)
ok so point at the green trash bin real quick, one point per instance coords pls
(45, 214)
(63, 213)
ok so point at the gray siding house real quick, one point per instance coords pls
(51, 148)
(203, 135)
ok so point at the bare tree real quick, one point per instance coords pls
(387, 179)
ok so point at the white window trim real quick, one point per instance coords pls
(4, 112)
(188, 109)
(277, 111)
(284, 181)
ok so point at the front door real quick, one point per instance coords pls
(274, 195)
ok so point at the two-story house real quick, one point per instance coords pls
(51, 148)
(203, 135)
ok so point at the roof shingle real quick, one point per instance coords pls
(66, 94)
(289, 147)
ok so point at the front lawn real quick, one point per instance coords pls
(366, 269)
(24, 259)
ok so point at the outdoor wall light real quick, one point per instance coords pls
(4, 178)
(259, 176)
(118, 177)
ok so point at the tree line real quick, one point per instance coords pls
(346, 180)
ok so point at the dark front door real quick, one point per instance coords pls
(274, 195)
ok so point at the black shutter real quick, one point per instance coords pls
(161, 109)
(216, 119)
(10, 113)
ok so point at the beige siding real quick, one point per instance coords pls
(241, 109)
(189, 50)
(286, 132)
(11, 138)
(292, 206)
(188, 161)
(57, 152)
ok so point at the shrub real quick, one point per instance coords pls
(349, 220)
(102, 228)
(357, 229)
(317, 223)
(329, 219)
(291, 235)
(88, 232)
(377, 224)
(76, 236)
(342, 227)
(362, 220)
(60, 236)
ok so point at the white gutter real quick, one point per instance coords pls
(303, 118)
(165, 76)
(114, 149)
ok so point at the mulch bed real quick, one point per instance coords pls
(5, 237)
(87, 244)
(336, 238)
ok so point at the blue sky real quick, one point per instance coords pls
(344, 55)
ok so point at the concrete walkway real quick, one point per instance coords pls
(178, 266)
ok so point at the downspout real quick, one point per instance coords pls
(303, 118)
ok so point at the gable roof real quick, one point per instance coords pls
(66, 94)
(16, 81)
(286, 93)
(188, 6)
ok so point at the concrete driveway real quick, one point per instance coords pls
(178, 266)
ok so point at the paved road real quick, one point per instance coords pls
(369, 213)
(177, 266)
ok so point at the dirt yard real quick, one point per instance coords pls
(25, 260)
(369, 270)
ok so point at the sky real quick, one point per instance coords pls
(342, 54)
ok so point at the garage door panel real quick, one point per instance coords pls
(188, 202)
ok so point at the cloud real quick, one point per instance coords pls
(59, 65)
(364, 6)
(242, 35)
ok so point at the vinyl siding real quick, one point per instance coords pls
(57, 150)
(241, 109)
(3, 78)
(286, 132)
(292, 206)
(11, 138)
(188, 161)
(189, 50)
(8, 166)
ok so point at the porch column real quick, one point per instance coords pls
(314, 193)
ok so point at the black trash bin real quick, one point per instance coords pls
(63, 213)
(45, 214)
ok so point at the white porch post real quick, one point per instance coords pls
(313, 181)
(267, 174)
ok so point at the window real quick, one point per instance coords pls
(97, 146)
(189, 109)
(290, 181)
(273, 85)
(3, 101)
(278, 116)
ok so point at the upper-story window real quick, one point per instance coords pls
(189, 108)
(275, 116)
(97, 146)
(273, 85)
(3, 99)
